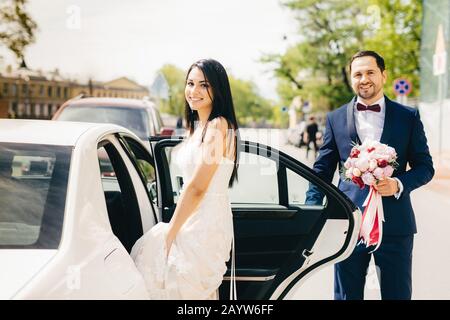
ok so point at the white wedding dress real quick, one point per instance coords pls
(197, 259)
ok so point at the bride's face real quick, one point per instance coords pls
(198, 91)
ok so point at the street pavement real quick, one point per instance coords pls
(431, 255)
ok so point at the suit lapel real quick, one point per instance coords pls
(388, 121)
(351, 126)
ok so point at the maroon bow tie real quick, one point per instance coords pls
(374, 107)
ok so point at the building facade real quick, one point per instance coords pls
(29, 94)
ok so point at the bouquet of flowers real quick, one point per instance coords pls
(367, 164)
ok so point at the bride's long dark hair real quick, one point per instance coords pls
(222, 104)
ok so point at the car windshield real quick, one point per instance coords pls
(33, 184)
(130, 118)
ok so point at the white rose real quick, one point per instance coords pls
(373, 164)
(348, 173)
(356, 172)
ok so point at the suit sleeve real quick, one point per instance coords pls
(325, 165)
(419, 159)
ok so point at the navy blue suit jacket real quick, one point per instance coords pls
(403, 130)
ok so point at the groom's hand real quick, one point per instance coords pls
(387, 187)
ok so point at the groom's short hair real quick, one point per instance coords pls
(368, 53)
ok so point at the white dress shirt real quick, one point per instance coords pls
(369, 125)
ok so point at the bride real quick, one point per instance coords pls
(186, 258)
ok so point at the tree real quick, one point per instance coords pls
(175, 78)
(397, 39)
(17, 27)
(332, 31)
(249, 106)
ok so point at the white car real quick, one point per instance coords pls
(66, 228)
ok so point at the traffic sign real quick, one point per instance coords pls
(402, 87)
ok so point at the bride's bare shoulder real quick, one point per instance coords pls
(221, 124)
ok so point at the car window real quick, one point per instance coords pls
(257, 180)
(255, 173)
(158, 120)
(297, 188)
(121, 200)
(175, 171)
(131, 118)
(144, 165)
(33, 184)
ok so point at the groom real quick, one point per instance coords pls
(373, 116)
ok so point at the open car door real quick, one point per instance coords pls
(279, 239)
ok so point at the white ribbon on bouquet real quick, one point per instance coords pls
(371, 232)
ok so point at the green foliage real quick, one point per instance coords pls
(175, 78)
(17, 27)
(398, 40)
(249, 106)
(331, 32)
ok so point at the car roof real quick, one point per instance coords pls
(47, 132)
(110, 102)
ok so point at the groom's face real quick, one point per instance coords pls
(367, 78)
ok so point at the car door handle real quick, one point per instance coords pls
(307, 253)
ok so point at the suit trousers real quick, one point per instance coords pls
(393, 261)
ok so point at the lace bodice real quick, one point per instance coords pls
(189, 155)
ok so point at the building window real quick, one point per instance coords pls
(25, 88)
(34, 111)
(14, 89)
(66, 92)
(49, 91)
(27, 110)
(58, 92)
(15, 109)
(5, 89)
(41, 90)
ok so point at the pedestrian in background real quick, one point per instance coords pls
(311, 135)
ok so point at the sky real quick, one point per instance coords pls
(106, 39)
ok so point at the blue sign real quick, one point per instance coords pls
(402, 87)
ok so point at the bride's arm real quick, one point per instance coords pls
(213, 149)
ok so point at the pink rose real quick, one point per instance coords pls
(362, 164)
(388, 171)
(368, 178)
(347, 164)
(391, 152)
(373, 164)
(378, 173)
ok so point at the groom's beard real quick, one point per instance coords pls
(369, 93)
